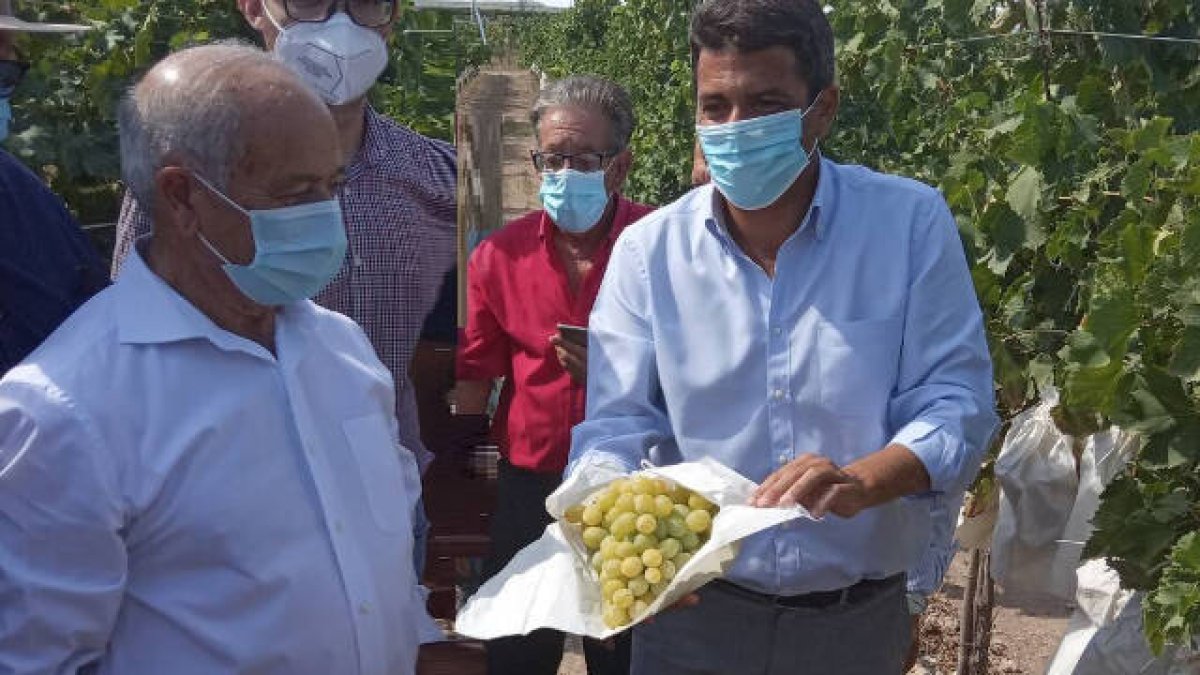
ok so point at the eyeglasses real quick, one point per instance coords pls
(11, 74)
(366, 13)
(580, 161)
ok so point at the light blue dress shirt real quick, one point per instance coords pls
(869, 333)
(174, 499)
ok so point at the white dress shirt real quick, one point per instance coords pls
(868, 333)
(174, 499)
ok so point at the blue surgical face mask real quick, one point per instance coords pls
(5, 117)
(574, 200)
(297, 250)
(753, 162)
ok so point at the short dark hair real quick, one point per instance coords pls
(751, 25)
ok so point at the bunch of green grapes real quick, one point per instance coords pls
(639, 532)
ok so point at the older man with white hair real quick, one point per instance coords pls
(199, 471)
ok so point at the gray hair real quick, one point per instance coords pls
(590, 93)
(196, 120)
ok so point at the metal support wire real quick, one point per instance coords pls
(1125, 36)
(977, 38)
(1056, 32)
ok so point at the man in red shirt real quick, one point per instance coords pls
(537, 272)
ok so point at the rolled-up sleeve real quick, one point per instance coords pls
(943, 406)
(63, 561)
(625, 411)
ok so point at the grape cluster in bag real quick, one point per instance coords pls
(640, 532)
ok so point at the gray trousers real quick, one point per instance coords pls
(730, 634)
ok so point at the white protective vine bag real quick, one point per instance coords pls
(550, 584)
(1048, 499)
(1038, 480)
(1104, 636)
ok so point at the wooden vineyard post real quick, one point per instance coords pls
(975, 618)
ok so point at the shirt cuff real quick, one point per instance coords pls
(938, 450)
(602, 462)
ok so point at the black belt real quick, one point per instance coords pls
(850, 595)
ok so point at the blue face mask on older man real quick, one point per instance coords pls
(297, 250)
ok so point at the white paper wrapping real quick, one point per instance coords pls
(550, 584)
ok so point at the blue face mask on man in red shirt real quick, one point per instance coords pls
(574, 200)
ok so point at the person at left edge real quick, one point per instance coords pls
(200, 471)
(47, 265)
(538, 271)
(399, 196)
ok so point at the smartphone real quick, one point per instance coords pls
(573, 334)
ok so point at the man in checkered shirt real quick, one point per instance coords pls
(399, 202)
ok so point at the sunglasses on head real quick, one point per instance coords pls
(11, 74)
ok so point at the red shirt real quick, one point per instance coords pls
(517, 294)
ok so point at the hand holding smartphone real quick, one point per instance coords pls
(577, 335)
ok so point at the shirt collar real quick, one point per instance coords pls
(374, 149)
(814, 218)
(149, 311)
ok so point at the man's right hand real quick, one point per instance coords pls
(573, 358)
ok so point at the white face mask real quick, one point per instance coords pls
(338, 58)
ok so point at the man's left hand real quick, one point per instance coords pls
(817, 484)
(823, 487)
(573, 358)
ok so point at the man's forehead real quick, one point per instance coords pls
(576, 122)
(760, 72)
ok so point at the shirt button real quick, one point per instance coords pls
(779, 394)
(364, 609)
(783, 459)
(337, 526)
(777, 331)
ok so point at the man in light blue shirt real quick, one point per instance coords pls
(811, 325)
(200, 471)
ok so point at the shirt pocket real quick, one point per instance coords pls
(858, 364)
(385, 481)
